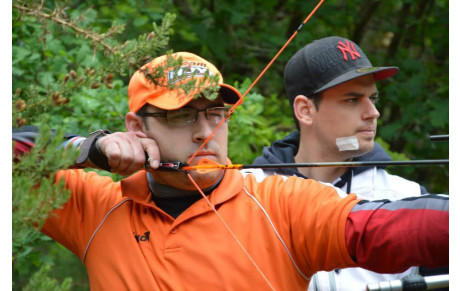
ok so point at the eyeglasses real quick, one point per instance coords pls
(186, 115)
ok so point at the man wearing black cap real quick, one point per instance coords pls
(331, 86)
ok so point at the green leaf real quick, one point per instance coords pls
(19, 53)
(140, 21)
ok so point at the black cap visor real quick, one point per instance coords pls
(379, 73)
(229, 94)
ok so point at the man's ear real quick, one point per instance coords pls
(304, 110)
(133, 122)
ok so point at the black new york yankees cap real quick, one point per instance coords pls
(328, 62)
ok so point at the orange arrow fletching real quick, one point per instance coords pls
(206, 166)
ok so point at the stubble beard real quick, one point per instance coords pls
(364, 148)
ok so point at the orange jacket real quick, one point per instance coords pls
(126, 242)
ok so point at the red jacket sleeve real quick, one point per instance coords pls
(389, 236)
(24, 139)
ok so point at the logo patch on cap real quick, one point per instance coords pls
(365, 70)
(348, 47)
(187, 72)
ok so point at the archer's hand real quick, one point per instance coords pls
(125, 151)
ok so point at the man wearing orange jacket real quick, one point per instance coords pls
(179, 230)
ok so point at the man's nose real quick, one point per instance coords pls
(201, 128)
(370, 111)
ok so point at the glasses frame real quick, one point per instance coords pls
(206, 112)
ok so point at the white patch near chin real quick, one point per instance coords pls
(348, 143)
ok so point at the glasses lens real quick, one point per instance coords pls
(216, 114)
(185, 116)
(181, 116)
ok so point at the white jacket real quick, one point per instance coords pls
(372, 184)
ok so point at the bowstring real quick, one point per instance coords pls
(239, 102)
(231, 232)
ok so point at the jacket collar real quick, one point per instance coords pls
(136, 187)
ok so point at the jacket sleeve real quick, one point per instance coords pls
(92, 196)
(389, 236)
(24, 139)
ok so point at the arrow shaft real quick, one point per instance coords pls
(212, 166)
(441, 137)
(349, 164)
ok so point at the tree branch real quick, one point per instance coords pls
(56, 16)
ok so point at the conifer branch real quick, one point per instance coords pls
(58, 16)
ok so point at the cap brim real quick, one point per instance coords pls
(229, 94)
(379, 73)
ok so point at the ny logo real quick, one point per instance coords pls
(350, 48)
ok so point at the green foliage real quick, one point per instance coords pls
(41, 280)
(38, 168)
(32, 204)
(255, 124)
(61, 67)
(394, 155)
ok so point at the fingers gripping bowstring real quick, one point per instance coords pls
(238, 103)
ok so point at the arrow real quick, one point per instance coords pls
(441, 137)
(206, 165)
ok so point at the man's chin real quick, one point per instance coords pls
(206, 180)
(357, 153)
(367, 145)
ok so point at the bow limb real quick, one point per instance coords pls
(239, 102)
(279, 52)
